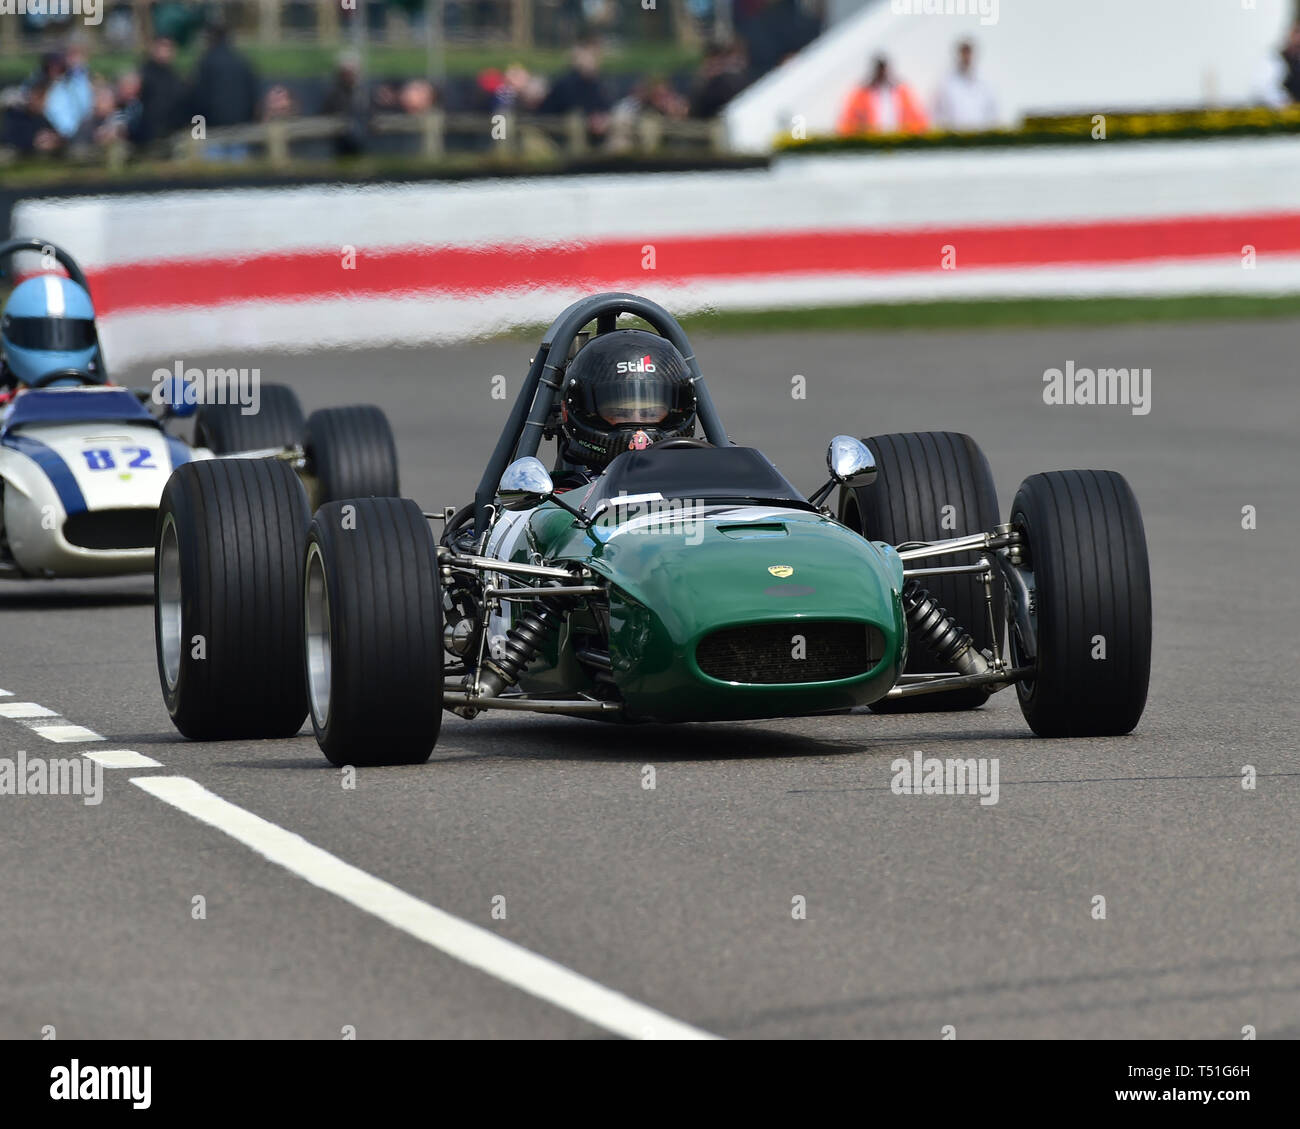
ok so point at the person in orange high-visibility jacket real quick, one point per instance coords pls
(882, 106)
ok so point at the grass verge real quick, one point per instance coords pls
(990, 314)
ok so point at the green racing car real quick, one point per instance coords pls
(651, 574)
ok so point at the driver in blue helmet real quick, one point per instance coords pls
(47, 328)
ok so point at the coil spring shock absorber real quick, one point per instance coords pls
(941, 634)
(522, 642)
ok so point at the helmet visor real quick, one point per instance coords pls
(54, 335)
(641, 400)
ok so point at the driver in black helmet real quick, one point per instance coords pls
(624, 391)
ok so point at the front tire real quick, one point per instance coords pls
(229, 542)
(931, 486)
(1087, 550)
(352, 453)
(372, 610)
(277, 424)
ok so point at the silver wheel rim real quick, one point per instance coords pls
(170, 639)
(317, 626)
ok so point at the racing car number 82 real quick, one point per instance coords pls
(100, 458)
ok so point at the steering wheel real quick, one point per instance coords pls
(681, 443)
(62, 374)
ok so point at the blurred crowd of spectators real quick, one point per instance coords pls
(581, 88)
(65, 106)
(722, 74)
(68, 106)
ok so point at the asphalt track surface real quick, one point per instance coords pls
(922, 911)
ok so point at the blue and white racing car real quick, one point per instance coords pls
(83, 463)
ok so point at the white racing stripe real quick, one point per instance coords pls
(54, 303)
(471, 944)
(122, 758)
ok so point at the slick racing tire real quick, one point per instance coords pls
(931, 486)
(230, 538)
(1087, 550)
(372, 607)
(352, 454)
(278, 422)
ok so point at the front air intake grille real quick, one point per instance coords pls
(767, 653)
(111, 529)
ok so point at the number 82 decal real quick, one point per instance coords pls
(100, 458)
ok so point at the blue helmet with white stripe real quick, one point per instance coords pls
(48, 325)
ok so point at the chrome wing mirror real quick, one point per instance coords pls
(526, 483)
(850, 461)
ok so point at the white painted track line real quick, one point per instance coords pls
(45, 722)
(25, 709)
(471, 944)
(121, 758)
(66, 733)
(6, 693)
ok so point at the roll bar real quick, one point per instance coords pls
(522, 434)
(44, 247)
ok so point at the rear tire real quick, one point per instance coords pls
(1087, 550)
(352, 454)
(278, 422)
(917, 475)
(227, 575)
(373, 614)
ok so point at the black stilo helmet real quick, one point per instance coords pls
(624, 391)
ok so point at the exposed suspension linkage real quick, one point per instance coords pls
(549, 593)
(940, 633)
(949, 642)
(528, 635)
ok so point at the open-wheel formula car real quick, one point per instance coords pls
(649, 576)
(83, 463)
